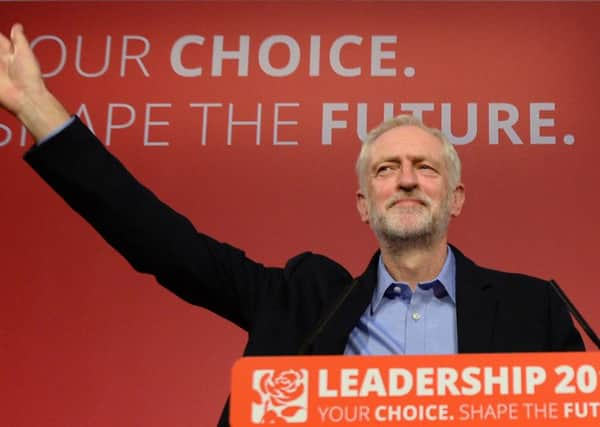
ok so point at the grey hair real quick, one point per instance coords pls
(449, 152)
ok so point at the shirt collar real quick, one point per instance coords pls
(447, 278)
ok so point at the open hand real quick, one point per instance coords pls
(20, 76)
(22, 89)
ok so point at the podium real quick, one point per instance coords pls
(516, 389)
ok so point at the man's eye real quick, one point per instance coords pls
(383, 170)
(426, 167)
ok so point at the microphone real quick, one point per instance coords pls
(585, 325)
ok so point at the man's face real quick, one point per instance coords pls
(406, 195)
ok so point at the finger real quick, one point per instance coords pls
(20, 45)
(5, 44)
(17, 36)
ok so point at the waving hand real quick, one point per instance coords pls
(22, 89)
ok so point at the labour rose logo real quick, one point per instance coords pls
(281, 396)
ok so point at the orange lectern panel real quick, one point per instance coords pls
(532, 389)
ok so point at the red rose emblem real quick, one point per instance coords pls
(282, 387)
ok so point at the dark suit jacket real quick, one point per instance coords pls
(279, 307)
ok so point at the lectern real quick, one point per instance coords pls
(467, 390)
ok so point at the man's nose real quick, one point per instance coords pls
(407, 178)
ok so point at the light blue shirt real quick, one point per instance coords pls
(400, 321)
(57, 130)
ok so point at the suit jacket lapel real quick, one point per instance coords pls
(334, 336)
(476, 307)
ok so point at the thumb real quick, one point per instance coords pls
(24, 58)
(17, 36)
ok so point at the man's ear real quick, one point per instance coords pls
(458, 200)
(362, 206)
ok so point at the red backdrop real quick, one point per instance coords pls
(87, 341)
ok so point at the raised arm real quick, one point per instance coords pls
(281, 304)
(149, 234)
(22, 89)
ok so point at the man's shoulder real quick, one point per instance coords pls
(512, 278)
(310, 263)
(493, 276)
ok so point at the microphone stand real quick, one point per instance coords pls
(585, 325)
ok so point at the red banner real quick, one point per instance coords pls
(246, 117)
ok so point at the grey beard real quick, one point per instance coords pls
(396, 239)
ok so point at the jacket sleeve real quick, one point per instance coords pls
(149, 234)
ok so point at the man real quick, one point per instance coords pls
(418, 294)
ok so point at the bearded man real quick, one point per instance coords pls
(418, 294)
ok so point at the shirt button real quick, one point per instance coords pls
(416, 315)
